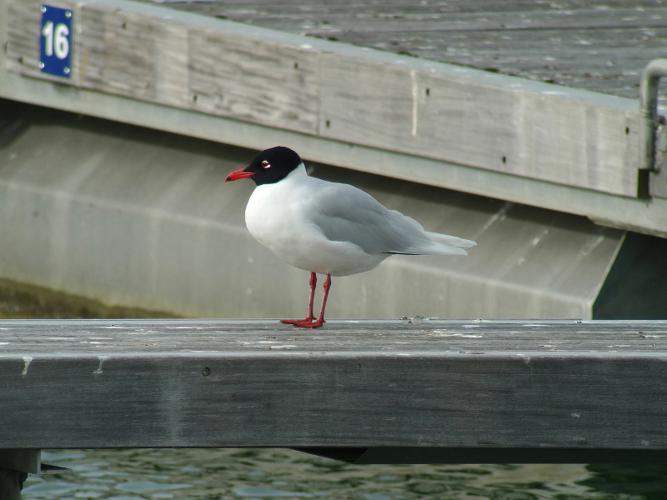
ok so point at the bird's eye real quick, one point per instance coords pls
(266, 164)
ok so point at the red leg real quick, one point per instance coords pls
(310, 317)
(320, 321)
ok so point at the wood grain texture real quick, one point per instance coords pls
(348, 94)
(413, 383)
(149, 56)
(598, 45)
(253, 80)
(512, 128)
(117, 52)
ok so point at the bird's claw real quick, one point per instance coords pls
(295, 321)
(304, 323)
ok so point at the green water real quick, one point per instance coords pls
(286, 474)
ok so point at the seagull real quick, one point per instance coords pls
(328, 228)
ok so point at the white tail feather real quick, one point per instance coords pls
(443, 244)
(454, 241)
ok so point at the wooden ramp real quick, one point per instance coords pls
(428, 121)
(413, 390)
(598, 45)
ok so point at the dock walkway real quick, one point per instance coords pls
(597, 45)
(421, 390)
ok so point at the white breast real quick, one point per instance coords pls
(277, 215)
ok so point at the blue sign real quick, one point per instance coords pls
(55, 41)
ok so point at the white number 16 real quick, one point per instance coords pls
(56, 41)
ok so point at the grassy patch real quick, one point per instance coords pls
(20, 300)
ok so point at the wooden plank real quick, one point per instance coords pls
(253, 80)
(128, 69)
(512, 128)
(339, 92)
(554, 42)
(148, 56)
(413, 383)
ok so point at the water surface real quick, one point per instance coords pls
(286, 474)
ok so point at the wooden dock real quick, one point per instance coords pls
(597, 45)
(412, 390)
(320, 88)
(473, 129)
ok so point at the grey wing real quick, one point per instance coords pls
(345, 213)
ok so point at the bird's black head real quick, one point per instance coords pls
(271, 165)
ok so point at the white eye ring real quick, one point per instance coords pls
(266, 164)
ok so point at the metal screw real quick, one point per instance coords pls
(206, 371)
(43, 9)
(68, 13)
(41, 65)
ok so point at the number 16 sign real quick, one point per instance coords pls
(55, 41)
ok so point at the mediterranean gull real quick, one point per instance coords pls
(327, 227)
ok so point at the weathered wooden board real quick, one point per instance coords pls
(128, 69)
(387, 101)
(253, 80)
(599, 45)
(146, 55)
(510, 128)
(412, 383)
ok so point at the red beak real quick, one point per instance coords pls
(238, 174)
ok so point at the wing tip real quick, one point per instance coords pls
(453, 241)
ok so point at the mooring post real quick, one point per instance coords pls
(15, 465)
